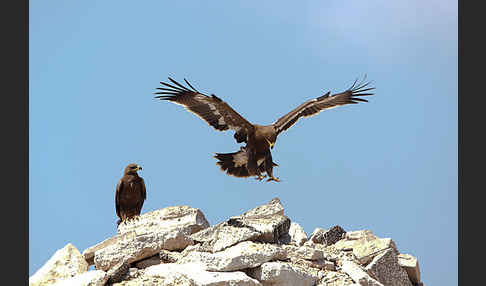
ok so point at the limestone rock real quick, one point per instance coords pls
(222, 236)
(365, 251)
(245, 254)
(89, 253)
(140, 247)
(360, 234)
(65, 263)
(273, 207)
(333, 278)
(385, 268)
(198, 276)
(358, 274)
(282, 274)
(270, 228)
(410, 264)
(190, 219)
(90, 278)
(327, 237)
(169, 256)
(147, 262)
(117, 273)
(268, 219)
(304, 252)
(297, 234)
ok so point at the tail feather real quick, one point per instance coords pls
(235, 164)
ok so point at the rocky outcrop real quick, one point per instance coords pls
(177, 246)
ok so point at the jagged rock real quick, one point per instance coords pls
(365, 251)
(190, 219)
(195, 274)
(89, 278)
(147, 262)
(327, 237)
(318, 264)
(245, 254)
(270, 229)
(333, 278)
(140, 247)
(385, 268)
(281, 274)
(166, 256)
(222, 236)
(66, 262)
(304, 252)
(360, 234)
(410, 264)
(353, 238)
(359, 275)
(89, 253)
(268, 219)
(117, 272)
(273, 207)
(297, 234)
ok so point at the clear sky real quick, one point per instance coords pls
(389, 165)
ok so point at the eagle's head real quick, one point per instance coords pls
(132, 169)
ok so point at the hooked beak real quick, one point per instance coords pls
(139, 167)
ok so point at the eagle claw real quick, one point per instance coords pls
(260, 177)
(273, 179)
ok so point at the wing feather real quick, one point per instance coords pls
(119, 187)
(211, 109)
(326, 101)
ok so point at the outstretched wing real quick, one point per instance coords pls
(316, 105)
(211, 109)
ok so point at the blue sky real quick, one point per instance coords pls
(389, 165)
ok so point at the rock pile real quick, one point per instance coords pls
(177, 246)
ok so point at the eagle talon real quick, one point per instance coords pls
(273, 179)
(260, 177)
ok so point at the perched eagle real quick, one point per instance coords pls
(130, 193)
(255, 158)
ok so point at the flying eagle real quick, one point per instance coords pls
(130, 194)
(255, 158)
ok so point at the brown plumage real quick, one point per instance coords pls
(255, 158)
(130, 193)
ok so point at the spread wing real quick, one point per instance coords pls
(211, 109)
(119, 187)
(316, 105)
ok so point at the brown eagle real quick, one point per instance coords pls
(255, 158)
(130, 194)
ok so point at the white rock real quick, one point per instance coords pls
(270, 228)
(385, 268)
(273, 207)
(244, 255)
(142, 246)
(90, 252)
(222, 236)
(190, 219)
(297, 234)
(365, 251)
(65, 263)
(304, 252)
(199, 276)
(411, 265)
(90, 278)
(360, 234)
(281, 274)
(359, 275)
